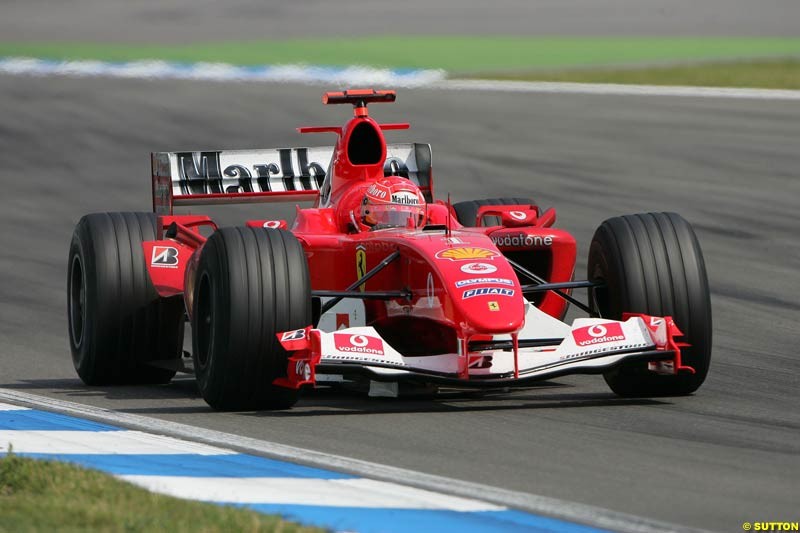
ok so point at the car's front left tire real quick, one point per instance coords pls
(250, 285)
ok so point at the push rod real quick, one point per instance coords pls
(541, 281)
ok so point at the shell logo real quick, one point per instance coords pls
(464, 254)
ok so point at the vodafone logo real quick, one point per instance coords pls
(522, 239)
(272, 224)
(303, 370)
(358, 344)
(518, 215)
(478, 268)
(358, 341)
(598, 334)
(597, 331)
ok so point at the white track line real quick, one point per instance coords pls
(100, 442)
(364, 493)
(614, 89)
(9, 407)
(356, 75)
(576, 512)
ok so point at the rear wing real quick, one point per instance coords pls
(272, 175)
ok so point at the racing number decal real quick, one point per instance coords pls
(361, 265)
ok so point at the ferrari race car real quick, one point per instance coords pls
(378, 286)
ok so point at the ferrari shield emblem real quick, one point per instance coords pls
(494, 306)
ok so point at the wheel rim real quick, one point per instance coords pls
(204, 320)
(77, 301)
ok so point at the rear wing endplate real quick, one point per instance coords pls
(271, 175)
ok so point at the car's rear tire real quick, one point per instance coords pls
(120, 331)
(652, 263)
(467, 211)
(251, 284)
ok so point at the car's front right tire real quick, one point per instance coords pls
(651, 263)
(120, 331)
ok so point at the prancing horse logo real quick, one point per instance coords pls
(361, 264)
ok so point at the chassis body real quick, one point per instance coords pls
(474, 303)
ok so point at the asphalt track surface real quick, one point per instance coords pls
(181, 21)
(725, 455)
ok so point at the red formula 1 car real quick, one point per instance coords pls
(377, 285)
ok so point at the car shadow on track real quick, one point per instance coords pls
(337, 402)
(181, 396)
(172, 396)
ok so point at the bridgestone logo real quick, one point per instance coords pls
(295, 335)
(522, 239)
(164, 257)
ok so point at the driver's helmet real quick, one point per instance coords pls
(393, 202)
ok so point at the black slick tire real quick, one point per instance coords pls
(120, 331)
(251, 283)
(652, 263)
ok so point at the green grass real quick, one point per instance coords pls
(50, 496)
(766, 74)
(703, 61)
(455, 54)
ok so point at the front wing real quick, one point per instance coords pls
(588, 346)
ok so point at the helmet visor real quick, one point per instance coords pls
(393, 215)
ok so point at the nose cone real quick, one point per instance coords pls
(484, 290)
(490, 308)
